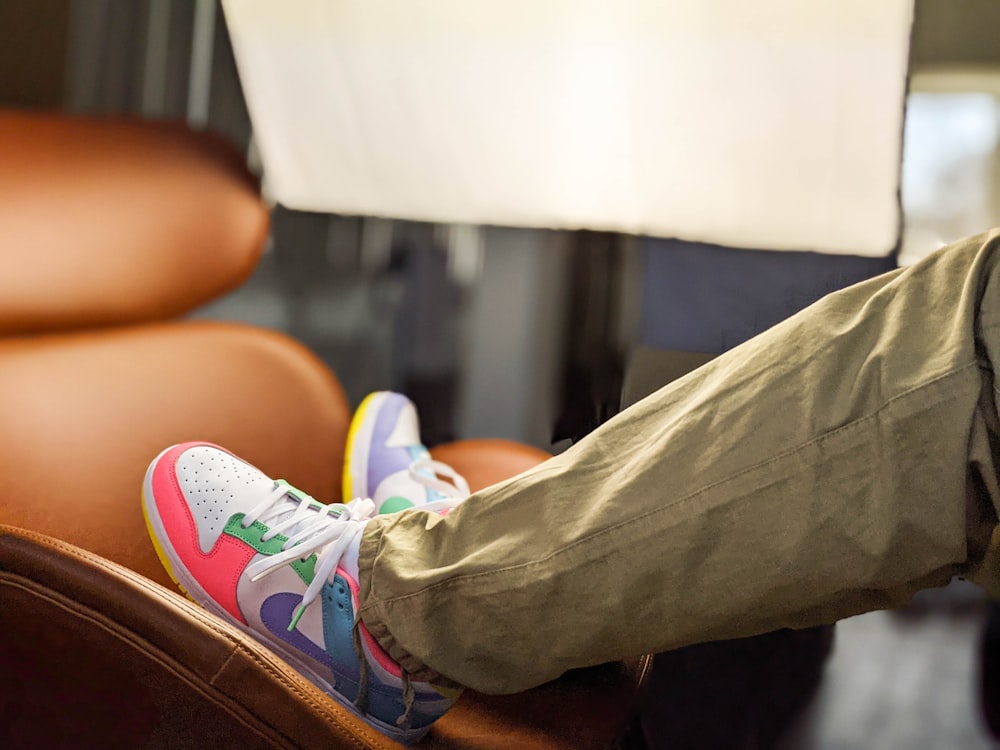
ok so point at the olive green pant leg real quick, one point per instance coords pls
(835, 464)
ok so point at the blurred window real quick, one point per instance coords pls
(950, 170)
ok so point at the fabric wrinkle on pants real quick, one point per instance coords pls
(834, 464)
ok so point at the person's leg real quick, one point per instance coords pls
(833, 465)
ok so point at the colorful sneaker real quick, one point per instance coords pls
(283, 567)
(385, 460)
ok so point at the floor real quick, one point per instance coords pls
(902, 681)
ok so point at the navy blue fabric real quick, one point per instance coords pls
(707, 298)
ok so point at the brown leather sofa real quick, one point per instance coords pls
(110, 231)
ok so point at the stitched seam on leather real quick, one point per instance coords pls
(216, 625)
(369, 741)
(129, 637)
(167, 662)
(222, 667)
(373, 740)
(149, 586)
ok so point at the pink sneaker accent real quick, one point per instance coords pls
(374, 649)
(218, 571)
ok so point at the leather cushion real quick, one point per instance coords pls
(486, 461)
(84, 414)
(106, 221)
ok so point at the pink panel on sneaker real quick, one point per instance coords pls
(216, 572)
(374, 650)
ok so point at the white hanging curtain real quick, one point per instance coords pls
(772, 124)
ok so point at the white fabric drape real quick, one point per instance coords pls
(773, 123)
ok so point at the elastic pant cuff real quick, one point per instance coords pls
(369, 611)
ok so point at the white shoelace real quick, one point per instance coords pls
(426, 471)
(328, 530)
(309, 527)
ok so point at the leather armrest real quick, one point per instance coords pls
(96, 656)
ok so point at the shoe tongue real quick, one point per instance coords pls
(406, 429)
